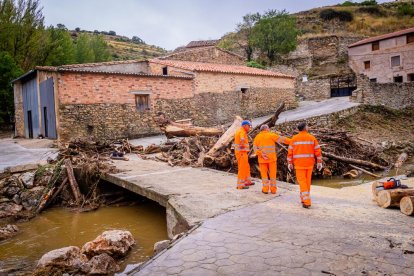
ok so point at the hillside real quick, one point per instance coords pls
(124, 48)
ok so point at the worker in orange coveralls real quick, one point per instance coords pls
(303, 150)
(241, 149)
(265, 148)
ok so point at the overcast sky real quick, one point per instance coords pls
(165, 23)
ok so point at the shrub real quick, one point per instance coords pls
(112, 33)
(373, 10)
(369, 3)
(348, 4)
(405, 9)
(330, 14)
(255, 64)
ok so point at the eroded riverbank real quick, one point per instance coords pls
(59, 227)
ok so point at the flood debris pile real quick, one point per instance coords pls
(100, 256)
(342, 152)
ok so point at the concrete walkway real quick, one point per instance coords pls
(344, 233)
(24, 152)
(190, 195)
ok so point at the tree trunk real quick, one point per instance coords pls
(72, 181)
(392, 198)
(352, 174)
(183, 130)
(407, 205)
(226, 138)
(365, 171)
(375, 191)
(354, 161)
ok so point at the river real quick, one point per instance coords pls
(59, 227)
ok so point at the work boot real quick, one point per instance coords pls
(305, 206)
(265, 190)
(250, 184)
(242, 187)
(273, 190)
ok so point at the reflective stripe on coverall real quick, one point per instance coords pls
(265, 144)
(301, 153)
(241, 150)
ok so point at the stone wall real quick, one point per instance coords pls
(18, 110)
(113, 120)
(314, 89)
(209, 55)
(393, 95)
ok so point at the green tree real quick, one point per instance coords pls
(244, 31)
(100, 48)
(275, 34)
(58, 47)
(83, 52)
(21, 28)
(9, 70)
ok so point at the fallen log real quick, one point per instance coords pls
(407, 205)
(375, 191)
(184, 130)
(392, 198)
(152, 149)
(354, 161)
(72, 181)
(271, 122)
(51, 195)
(226, 138)
(365, 171)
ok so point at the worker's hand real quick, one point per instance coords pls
(290, 167)
(319, 166)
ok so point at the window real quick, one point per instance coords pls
(142, 102)
(410, 38)
(244, 90)
(395, 61)
(373, 80)
(367, 65)
(398, 79)
(165, 71)
(410, 77)
(375, 46)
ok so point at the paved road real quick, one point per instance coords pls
(305, 110)
(17, 152)
(344, 233)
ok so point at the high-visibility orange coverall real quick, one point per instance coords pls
(265, 149)
(241, 150)
(302, 152)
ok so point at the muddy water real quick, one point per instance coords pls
(59, 227)
(340, 182)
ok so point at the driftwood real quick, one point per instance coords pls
(392, 197)
(185, 130)
(352, 174)
(226, 138)
(354, 161)
(152, 149)
(407, 205)
(271, 122)
(375, 191)
(365, 171)
(72, 181)
(51, 195)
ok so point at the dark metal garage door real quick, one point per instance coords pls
(47, 104)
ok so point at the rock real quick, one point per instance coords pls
(115, 243)
(160, 246)
(8, 209)
(100, 264)
(8, 231)
(27, 179)
(30, 198)
(16, 199)
(12, 186)
(68, 259)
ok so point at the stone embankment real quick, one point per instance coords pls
(100, 256)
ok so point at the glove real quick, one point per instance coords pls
(290, 167)
(319, 166)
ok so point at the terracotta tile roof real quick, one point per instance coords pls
(202, 43)
(99, 63)
(218, 68)
(382, 37)
(79, 69)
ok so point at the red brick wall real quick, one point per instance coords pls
(91, 88)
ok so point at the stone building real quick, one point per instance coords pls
(385, 58)
(123, 99)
